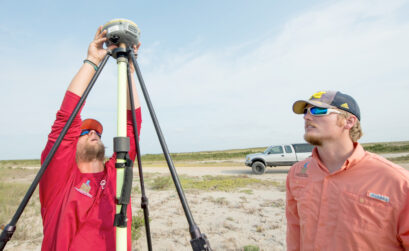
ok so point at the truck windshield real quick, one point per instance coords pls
(274, 150)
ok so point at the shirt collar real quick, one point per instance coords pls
(355, 157)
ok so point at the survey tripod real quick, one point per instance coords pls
(125, 34)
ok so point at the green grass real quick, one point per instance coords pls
(19, 163)
(211, 183)
(13, 174)
(206, 155)
(246, 191)
(400, 159)
(161, 183)
(219, 158)
(390, 147)
(138, 222)
(251, 248)
(222, 201)
(11, 195)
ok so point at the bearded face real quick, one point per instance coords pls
(313, 140)
(89, 148)
(319, 129)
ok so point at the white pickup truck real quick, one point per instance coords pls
(278, 155)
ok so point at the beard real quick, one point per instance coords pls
(89, 152)
(313, 140)
(318, 140)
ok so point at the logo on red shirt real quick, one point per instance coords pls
(84, 189)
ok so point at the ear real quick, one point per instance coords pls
(350, 122)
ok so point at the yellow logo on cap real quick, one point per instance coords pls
(345, 105)
(317, 95)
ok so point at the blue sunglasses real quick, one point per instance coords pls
(319, 111)
(86, 131)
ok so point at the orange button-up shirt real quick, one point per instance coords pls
(362, 206)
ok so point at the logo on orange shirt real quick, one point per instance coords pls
(303, 171)
(380, 197)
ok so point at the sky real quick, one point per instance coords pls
(220, 74)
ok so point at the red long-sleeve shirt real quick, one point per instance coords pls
(77, 208)
(362, 206)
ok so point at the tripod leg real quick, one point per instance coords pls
(199, 241)
(144, 199)
(10, 228)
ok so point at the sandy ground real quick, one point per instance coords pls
(231, 220)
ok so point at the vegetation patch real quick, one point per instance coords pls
(206, 155)
(138, 222)
(393, 147)
(217, 158)
(8, 174)
(20, 163)
(278, 203)
(246, 191)
(212, 183)
(218, 183)
(222, 201)
(11, 195)
(400, 159)
(161, 183)
(259, 229)
(251, 248)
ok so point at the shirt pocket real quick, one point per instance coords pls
(301, 190)
(364, 213)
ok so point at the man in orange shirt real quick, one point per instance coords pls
(342, 197)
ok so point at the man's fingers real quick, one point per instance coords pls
(136, 47)
(102, 39)
(98, 32)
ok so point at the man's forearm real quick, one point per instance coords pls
(81, 80)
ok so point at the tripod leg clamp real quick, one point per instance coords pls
(127, 186)
(121, 147)
(121, 219)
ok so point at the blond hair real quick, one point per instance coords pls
(355, 132)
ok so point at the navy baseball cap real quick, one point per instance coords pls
(329, 99)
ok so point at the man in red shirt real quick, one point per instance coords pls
(78, 190)
(342, 197)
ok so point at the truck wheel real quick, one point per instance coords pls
(258, 167)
